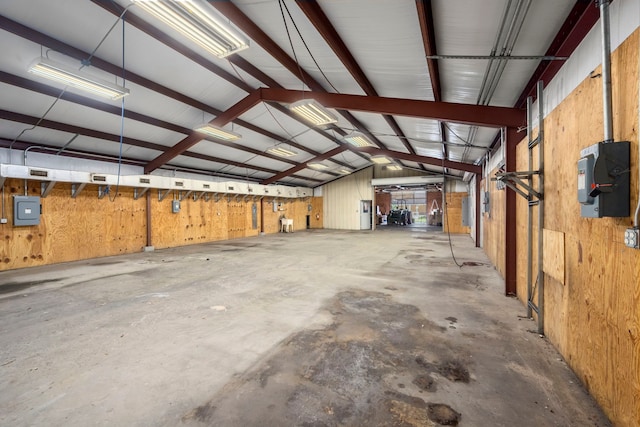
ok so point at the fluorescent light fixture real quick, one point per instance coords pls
(394, 167)
(318, 166)
(344, 171)
(358, 139)
(313, 111)
(282, 152)
(199, 22)
(74, 77)
(380, 160)
(217, 132)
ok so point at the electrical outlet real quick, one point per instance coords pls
(3, 220)
(632, 238)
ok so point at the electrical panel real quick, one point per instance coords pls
(603, 180)
(175, 206)
(465, 212)
(26, 210)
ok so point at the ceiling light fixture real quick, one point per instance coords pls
(358, 139)
(313, 111)
(318, 166)
(70, 77)
(394, 167)
(344, 171)
(217, 132)
(282, 152)
(380, 160)
(199, 22)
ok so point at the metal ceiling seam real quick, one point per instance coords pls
(143, 26)
(323, 25)
(242, 21)
(481, 115)
(427, 27)
(37, 37)
(295, 169)
(575, 28)
(64, 127)
(113, 109)
(232, 113)
(465, 167)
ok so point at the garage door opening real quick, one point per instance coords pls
(411, 203)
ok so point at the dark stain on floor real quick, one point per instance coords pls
(17, 286)
(345, 374)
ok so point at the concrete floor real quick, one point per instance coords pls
(314, 328)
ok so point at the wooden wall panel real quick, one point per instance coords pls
(594, 317)
(452, 215)
(72, 229)
(86, 227)
(494, 225)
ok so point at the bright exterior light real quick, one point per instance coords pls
(76, 78)
(358, 139)
(313, 112)
(394, 167)
(282, 152)
(380, 160)
(217, 132)
(199, 22)
(318, 166)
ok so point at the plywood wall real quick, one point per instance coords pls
(452, 214)
(494, 224)
(87, 227)
(592, 308)
(71, 228)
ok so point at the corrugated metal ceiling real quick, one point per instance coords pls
(176, 85)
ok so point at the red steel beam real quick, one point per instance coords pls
(321, 22)
(479, 115)
(242, 106)
(298, 168)
(465, 167)
(581, 19)
(510, 249)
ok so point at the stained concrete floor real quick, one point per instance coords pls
(314, 328)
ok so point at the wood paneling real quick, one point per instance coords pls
(72, 229)
(594, 317)
(553, 254)
(87, 227)
(494, 225)
(452, 215)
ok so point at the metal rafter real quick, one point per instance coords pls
(236, 60)
(465, 167)
(64, 127)
(321, 22)
(242, 21)
(575, 28)
(242, 106)
(114, 109)
(40, 38)
(480, 115)
(298, 168)
(427, 28)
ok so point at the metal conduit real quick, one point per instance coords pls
(606, 71)
(493, 74)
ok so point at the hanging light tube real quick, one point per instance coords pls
(380, 160)
(358, 139)
(217, 132)
(394, 167)
(344, 171)
(282, 152)
(312, 111)
(318, 166)
(74, 77)
(198, 22)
